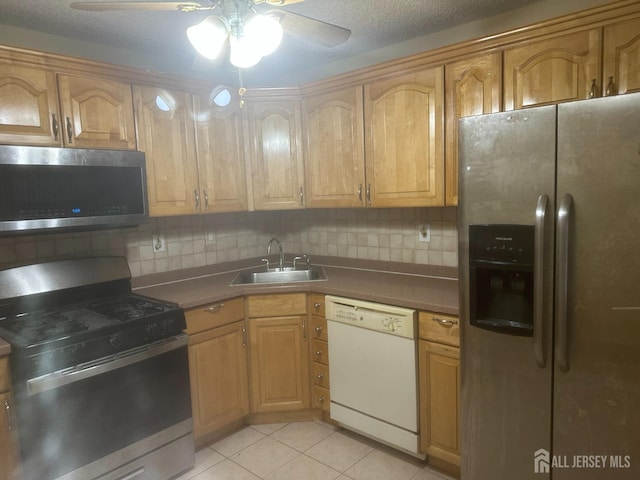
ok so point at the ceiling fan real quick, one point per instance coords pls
(250, 32)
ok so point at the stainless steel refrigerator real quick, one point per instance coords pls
(549, 255)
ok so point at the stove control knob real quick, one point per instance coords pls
(167, 325)
(115, 340)
(148, 332)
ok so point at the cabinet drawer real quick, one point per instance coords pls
(214, 315)
(319, 327)
(320, 351)
(5, 380)
(320, 374)
(277, 305)
(321, 398)
(316, 304)
(439, 328)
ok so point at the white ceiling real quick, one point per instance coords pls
(158, 41)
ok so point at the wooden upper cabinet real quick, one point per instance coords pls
(92, 112)
(555, 70)
(277, 171)
(221, 172)
(622, 56)
(28, 106)
(96, 113)
(166, 135)
(472, 87)
(404, 140)
(334, 148)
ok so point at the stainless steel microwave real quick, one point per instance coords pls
(70, 189)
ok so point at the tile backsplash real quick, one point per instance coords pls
(199, 240)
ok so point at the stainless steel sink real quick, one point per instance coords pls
(277, 275)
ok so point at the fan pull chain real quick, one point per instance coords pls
(241, 90)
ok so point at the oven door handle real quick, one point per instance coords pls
(102, 365)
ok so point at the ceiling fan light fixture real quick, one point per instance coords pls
(209, 36)
(243, 54)
(263, 32)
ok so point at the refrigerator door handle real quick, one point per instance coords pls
(562, 277)
(538, 281)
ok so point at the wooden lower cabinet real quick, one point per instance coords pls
(217, 367)
(9, 464)
(439, 367)
(279, 357)
(279, 364)
(320, 394)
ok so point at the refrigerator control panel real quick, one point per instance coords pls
(501, 243)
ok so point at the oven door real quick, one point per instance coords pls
(88, 420)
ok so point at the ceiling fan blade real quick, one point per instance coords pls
(278, 3)
(158, 6)
(317, 31)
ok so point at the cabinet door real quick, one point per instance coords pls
(8, 447)
(404, 140)
(166, 135)
(221, 172)
(279, 364)
(276, 155)
(219, 383)
(549, 71)
(334, 148)
(622, 56)
(96, 113)
(439, 371)
(28, 106)
(472, 87)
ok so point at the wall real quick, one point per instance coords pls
(376, 234)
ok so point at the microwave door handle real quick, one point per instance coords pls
(562, 277)
(538, 281)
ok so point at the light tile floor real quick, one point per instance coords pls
(304, 451)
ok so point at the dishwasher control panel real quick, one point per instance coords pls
(373, 316)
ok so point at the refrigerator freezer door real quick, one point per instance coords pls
(507, 161)
(596, 401)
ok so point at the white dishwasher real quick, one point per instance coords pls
(372, 367)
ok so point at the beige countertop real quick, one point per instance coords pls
(420, 287)
(417, 289)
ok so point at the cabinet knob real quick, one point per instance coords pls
(320, 399)
(7, 410)
(54, 126)
(320, 376)
(611, 88)
(318, 330)
(69, 130)
(445, 322)
(319, 353)
(214, 308)
(316, 306)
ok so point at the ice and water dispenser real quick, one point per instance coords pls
(501, 278)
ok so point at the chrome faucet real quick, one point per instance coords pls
(274, 239)
(304, 257)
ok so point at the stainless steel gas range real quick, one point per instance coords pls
(100, 375)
